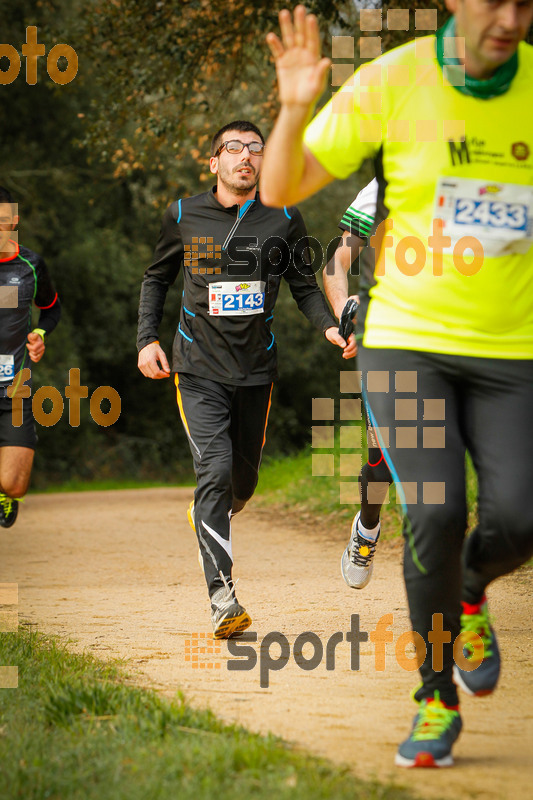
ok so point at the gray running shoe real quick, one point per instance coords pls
(229, 618)
(357, 560)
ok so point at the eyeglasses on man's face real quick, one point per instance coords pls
(234, 146)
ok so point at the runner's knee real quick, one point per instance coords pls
(513, 524)
(14, 487)
(216, 473)
(376, 473)
(237, 505)
(435, 533)
(244, 483)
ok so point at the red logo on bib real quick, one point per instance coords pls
(520, 151)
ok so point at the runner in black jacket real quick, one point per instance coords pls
(24, 280)
(234, 252)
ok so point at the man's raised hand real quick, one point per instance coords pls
(300, 70)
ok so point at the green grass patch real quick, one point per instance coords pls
(108, 485)
(75, 729)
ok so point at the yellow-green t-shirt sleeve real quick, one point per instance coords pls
(343, 135)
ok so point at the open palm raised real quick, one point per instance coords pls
(300, 69)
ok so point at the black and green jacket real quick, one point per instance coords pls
(24, 280)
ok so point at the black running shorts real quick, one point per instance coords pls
(11, 436)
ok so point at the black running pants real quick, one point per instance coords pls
(428, 410)
(226, 428)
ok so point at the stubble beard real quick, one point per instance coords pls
(239, 190)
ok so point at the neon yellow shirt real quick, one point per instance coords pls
(449, 156)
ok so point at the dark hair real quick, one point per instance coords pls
(5, 196)
(237, 125)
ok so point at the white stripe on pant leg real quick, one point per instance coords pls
(224, 543)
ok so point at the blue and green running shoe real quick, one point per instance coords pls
(435, 729)
(485, 661)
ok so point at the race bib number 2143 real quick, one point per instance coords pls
(235, 299)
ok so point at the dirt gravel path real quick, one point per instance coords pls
(117, 573)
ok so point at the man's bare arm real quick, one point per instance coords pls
(335, 273)
(290, 171)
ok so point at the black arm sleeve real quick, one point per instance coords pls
(46, 299)
(161, 274)
(49, 317)
(354, 228)
(301, 278)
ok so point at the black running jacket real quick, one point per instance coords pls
(233, 261)
(24, 280)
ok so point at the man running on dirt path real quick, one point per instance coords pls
(24, 280)
(233, 251)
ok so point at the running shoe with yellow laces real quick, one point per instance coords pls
(483, 677)
(435, 729)
(9, 509)
(357, 560)
(229, 618)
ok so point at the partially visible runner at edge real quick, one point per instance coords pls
(357, 560)
(233, 251)
(447, 347)
(24, 281)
